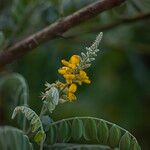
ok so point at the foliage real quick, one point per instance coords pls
(87, 130)
(90, 130)
(12, 138)
(35, 121)
(21, 91)
(120, 88)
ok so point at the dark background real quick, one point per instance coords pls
(120, 88)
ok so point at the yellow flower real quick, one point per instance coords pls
(71, 96)
(69, 78)
(82, 74)
(72, 88)
(87, 81)
(64, 70)
(68, 64)
(72, 63)
(72, 75)
(61, 71)
(75, 59)
(82, 77)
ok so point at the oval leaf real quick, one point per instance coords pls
(13, 139)
(36, 123)
(125, 142)
(90, 130)
(53, 95)
(77, 129)
(64, 132)
(114, 136)
(52, 134)
(134, 145)
(39, 136)
(102, 132)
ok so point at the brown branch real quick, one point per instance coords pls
(21, 48)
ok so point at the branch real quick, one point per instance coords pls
(122, 21)
(51, 32)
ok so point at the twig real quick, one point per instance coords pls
(21, 48)
(136, 5)
(122, 21)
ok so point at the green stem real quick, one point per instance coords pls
(41, 145)
(75, 146)
(61, 91)
(43, 110)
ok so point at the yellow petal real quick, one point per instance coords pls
(69, 76)
(68, 81)
(87, 81)
(75, 59)
(79, 82)
(82, 74)
(65, 63)
(72, 88)
(73, 66)
(61, 71)
(71, 97)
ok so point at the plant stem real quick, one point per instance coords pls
(43, 110)
(76, 145)
(41, 145)
(61, 91)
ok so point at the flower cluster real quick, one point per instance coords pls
(71, 72)
(74, 73)
(73, 76)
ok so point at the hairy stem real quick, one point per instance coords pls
(43, 111)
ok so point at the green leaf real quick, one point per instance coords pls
(77, 129)
(114, 136)
(52, 134)
(53, 95)
(35, 123)
(134, 145)
(94, 130)
(52, 98)
(13, 139)
(102, 132)
(17, 89)
(39, 136)
(64, 132)
(90, 130)
(125, 142)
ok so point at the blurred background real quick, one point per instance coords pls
(120, 88)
